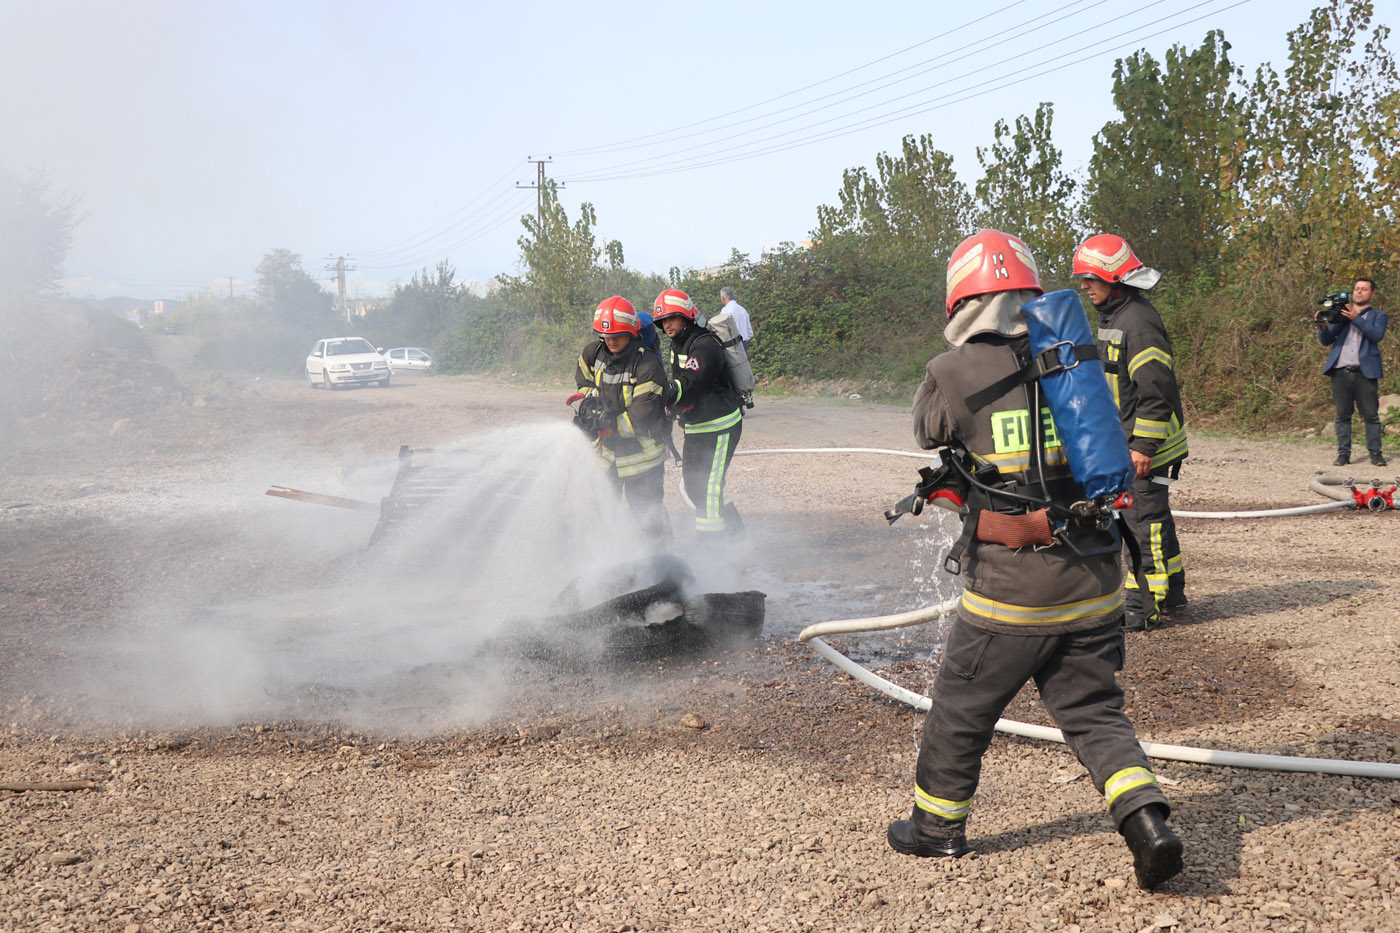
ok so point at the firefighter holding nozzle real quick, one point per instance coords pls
(621, 408)
(1042, 600)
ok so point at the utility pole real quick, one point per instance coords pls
(340, 268)
(230, 287)
(538, 187)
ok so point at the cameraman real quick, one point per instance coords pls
(1355, 367)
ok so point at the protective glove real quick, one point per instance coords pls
(595, 417)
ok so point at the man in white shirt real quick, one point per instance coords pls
(740, 314)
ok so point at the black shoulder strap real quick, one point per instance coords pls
(1045, 363)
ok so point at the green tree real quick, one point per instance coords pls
(1319, 187)
(560, 261)
(911, 212)
(36, 231)
(288, 292)
(426, 306)
(1024, 190)
(1163, 174)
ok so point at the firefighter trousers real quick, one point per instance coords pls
(982, 672)
(704, 466)
(1150, 519)
(646, 492)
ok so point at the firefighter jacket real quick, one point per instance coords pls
(1029, 590)
(1137, 359)
(632, 384)
(705, 401)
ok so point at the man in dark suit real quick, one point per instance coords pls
(1354, 364)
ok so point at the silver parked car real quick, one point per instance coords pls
(345, 361)
(409, 360)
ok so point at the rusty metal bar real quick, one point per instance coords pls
(319, 498)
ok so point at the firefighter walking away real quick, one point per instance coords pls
(1042, 598)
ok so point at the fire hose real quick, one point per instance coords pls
(813, 636)
(1375, 498)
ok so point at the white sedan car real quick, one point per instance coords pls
(345, 361)
(409, 360)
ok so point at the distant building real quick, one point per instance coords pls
(786, 246)
(158, 306)
(710, 272)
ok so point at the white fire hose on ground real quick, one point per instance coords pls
(813, 637)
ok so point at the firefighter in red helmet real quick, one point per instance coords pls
(1033, 607)
(621, 407)
(708, 408)
(1137, 358)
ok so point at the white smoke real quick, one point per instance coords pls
(414, 631)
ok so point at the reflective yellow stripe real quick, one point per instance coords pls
(1126, 780)
(651, 457)
(1173, 448)
(713, 519)
(947, 809)
(1142, 427)
(1040, 615)
(1151, 354)
(1021, 461)
(719, 424)
(1158, 579)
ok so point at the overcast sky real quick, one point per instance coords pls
(199, 135)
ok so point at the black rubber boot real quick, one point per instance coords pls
(907, 838)
(1176, 597)
(1135, 619)
(1156, 849)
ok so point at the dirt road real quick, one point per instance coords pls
(578, 799)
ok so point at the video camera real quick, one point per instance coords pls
(1332, 307)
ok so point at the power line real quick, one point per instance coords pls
(538, 187)
(691, 160)
(694, 158)
(339, 267)
(1000, 37)
(433, 243)
(431, 231)
(625, 144)
(484, 226)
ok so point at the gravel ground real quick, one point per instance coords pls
(744, 791)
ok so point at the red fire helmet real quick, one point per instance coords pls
(616, 315)
(990, 261)
(671, 302)
(1105, 257)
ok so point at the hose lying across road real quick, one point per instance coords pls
(813, 637)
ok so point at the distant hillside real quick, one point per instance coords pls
(121, 304)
